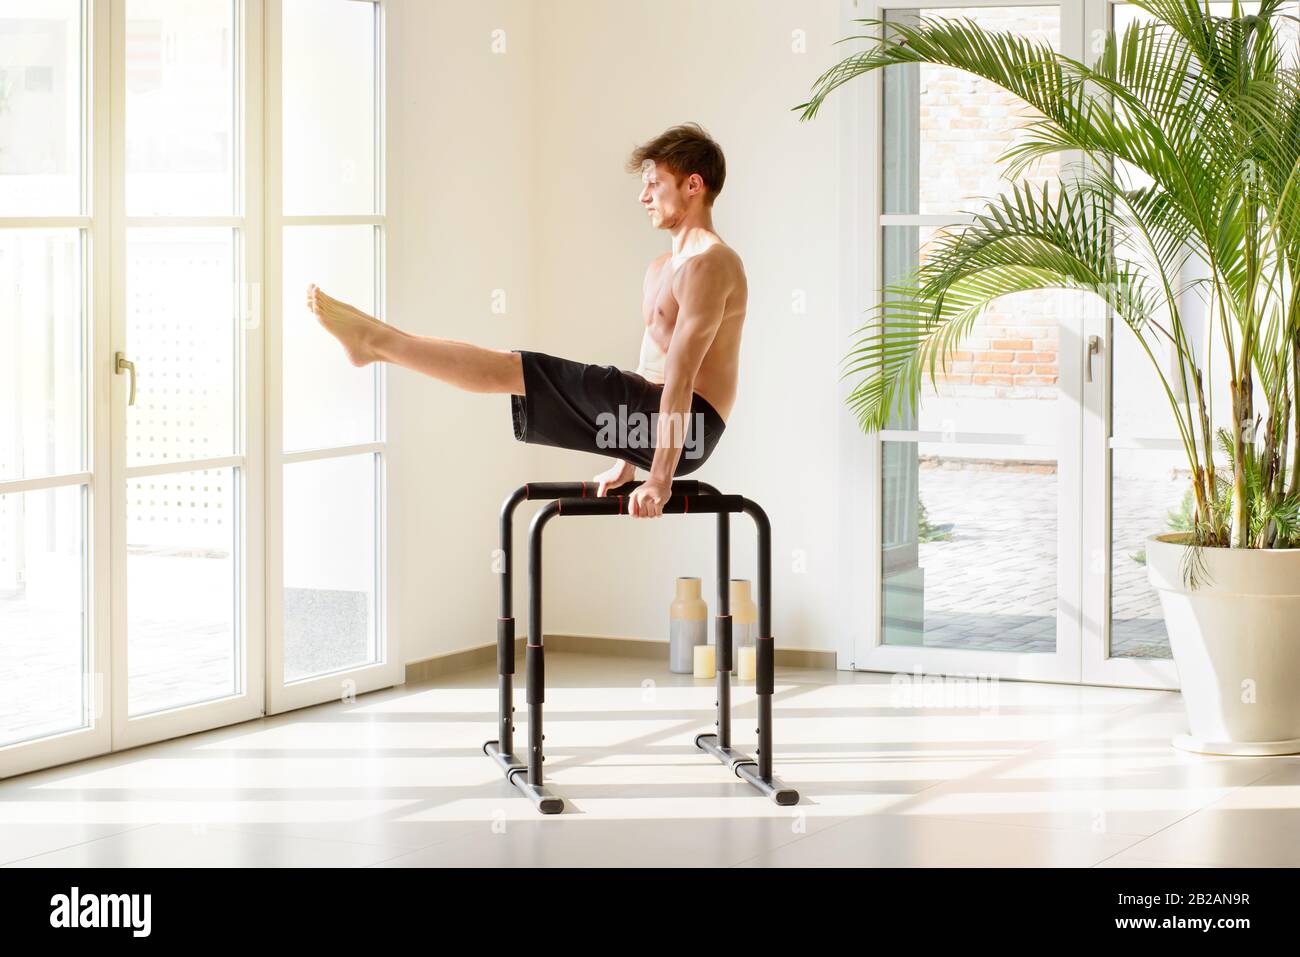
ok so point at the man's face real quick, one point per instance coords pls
(661, 197)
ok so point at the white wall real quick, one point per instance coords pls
(460, 121)
(530, 195)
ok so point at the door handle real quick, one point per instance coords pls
(123, 364)
(1094, 347)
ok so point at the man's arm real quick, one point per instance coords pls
(621, 470)
(701, 288)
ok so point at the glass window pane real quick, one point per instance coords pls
(42, 401)
(1003, 377)
(181, 336)
(40, 107)
(959, 570)
(327, 400)
(182, 589)
(180, 107)
(1150, 494)
(43, 653)
(329, 107)
(955, 126)
(329, 566)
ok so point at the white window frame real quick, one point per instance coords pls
(93, 221)
(389, 669)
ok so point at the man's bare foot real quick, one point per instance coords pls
(357, 331)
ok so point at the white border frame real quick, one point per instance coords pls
(389, 670)
(861, 192)
(96, 738)
(248, 701)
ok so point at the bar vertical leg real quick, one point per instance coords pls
(502, 750)
(535, 673)
(505, 685)
(536, 694)
(722, 632)
(760, 774)
(765, 682)
(764, 651)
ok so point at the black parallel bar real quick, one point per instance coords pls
(579, 498)
(551, 490)
(617, 504)
(505, 685)
(506, 544)
(757, 773)
(502, 749)
(535, 669)
(505, 743)
(534, 663)
(722, 636)
(764, 654)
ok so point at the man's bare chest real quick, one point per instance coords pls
(659, 306)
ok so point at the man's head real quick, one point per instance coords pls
(682, 171)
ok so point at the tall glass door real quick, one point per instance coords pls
(188, 648)
(979, 481)
(1137, 480)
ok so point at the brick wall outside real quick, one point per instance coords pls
(966, 123)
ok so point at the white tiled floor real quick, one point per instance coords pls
(1033, 775)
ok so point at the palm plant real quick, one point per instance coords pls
(1189, 129)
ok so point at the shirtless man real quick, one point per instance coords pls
(693, 305)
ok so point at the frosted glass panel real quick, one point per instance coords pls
(181, 593)
(41, 396)
(329, 566)
(329, 107)
(40, 107)
(181, 336)
(180, 115)
(327, 400)
(43, 654)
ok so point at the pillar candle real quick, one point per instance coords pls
(705, 661)
(747, 663)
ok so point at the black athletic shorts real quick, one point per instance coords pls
(605, 410)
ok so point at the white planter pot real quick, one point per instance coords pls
(1236, 640)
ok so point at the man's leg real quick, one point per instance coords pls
(462, 364)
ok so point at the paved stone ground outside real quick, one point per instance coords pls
(183, 648)
(993, 585)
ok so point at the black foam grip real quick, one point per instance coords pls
(536, 684)
(505, 646)
(722, 636)
(764, 666)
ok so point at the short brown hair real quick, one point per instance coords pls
(685, 149)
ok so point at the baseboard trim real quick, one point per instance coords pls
(428, 669)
